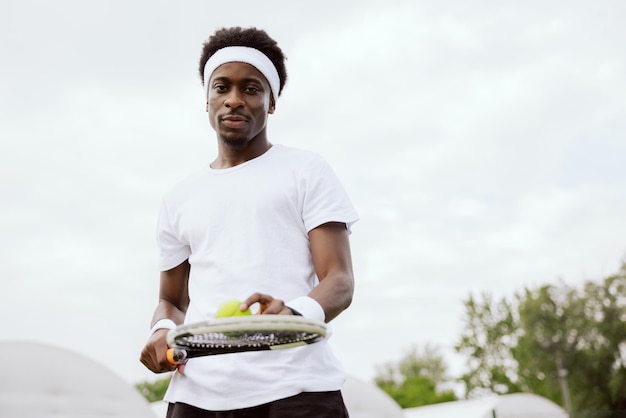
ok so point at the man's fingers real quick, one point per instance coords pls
(268, 305)
(275, 307)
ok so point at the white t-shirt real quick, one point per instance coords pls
(245, 229)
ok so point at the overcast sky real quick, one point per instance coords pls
(482, 142)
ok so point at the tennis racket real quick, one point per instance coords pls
(241, 334)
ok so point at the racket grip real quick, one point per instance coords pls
(176, 356)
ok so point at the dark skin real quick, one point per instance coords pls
(238, 105)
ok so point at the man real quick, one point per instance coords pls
(266, 224)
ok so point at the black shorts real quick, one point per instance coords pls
(303, 405)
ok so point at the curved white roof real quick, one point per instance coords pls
(514, 405)
(41, 381)
(366, 400)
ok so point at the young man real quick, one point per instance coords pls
(267, 224)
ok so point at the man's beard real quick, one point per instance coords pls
(236, 143)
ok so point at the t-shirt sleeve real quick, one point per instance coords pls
(171, 250)
(324, 197)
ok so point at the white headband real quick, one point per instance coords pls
(251, 56)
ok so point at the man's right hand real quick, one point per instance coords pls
(153, 355)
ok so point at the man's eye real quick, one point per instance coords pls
(251, 90)
(219, 87)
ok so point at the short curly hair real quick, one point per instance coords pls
(250, 37)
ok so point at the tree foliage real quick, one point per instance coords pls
(153, 390)
(490, 332)
(416, 379)
(527, 343)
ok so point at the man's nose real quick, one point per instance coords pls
(234, 99)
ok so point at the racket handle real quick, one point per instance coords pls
(176, 356)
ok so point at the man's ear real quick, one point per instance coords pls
(206, 106)
(272, 107)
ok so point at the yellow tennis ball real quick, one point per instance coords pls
(231, 308)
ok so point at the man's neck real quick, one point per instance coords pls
(229, 156)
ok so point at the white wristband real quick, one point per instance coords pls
(164, 323)
(308, 308)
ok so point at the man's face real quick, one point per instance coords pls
(239, 102)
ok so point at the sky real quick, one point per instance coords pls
(482, 143)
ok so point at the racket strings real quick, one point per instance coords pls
(243, 339)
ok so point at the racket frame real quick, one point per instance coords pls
(180, 351)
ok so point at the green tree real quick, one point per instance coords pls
(490, 332)
(153, 390)
(417, 379)
(567, 344)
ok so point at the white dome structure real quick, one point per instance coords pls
(41, 381)
(514, 405)
(366, 400)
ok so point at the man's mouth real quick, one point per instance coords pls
(233, 121)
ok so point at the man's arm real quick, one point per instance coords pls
(173, 303)
(332, 259)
